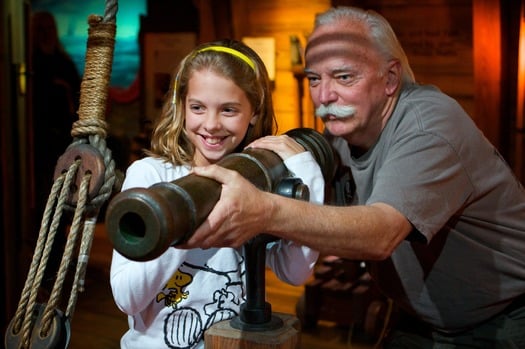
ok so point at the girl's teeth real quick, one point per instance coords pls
(213, 140)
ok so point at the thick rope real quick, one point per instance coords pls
(71, 244)
(22, 319)
(83, 258)
(90, 128)
(95, 82)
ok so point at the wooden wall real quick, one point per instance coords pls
(436, 34)
(437, 37)
(466, 48)
(282, 19)
(440, 38)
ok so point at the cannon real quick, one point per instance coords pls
(143, 222)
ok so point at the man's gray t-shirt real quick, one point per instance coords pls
(465, 261)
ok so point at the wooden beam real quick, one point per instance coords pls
(487, 67)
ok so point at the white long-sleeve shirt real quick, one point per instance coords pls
(171, 300)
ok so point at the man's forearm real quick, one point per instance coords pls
(356, 232)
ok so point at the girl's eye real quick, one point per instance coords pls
(196, 108)
(229, 111)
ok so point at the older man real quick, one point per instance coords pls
(438, 215)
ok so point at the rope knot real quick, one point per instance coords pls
(83, 128)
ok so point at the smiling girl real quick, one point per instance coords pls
(220, 101)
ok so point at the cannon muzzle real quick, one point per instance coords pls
(143, 222)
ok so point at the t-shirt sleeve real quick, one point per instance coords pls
(424, 179)
(304, 166)
(141, 174)
(291, 262)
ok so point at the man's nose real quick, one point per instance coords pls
(327, 93)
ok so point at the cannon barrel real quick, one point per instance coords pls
(143, 222)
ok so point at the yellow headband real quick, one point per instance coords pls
(231, 51)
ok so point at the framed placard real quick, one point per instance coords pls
(162, 55)
(265, 48)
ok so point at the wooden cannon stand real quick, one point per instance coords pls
(224, 335)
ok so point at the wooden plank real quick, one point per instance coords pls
(223, 336)
(487, 63)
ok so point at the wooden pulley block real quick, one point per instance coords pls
(92, 161)
(58, 336)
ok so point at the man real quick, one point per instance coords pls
(438, 215)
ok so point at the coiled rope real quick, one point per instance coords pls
(85, 178)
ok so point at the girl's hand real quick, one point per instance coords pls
(284, 145)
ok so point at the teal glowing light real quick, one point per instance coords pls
(71, 17)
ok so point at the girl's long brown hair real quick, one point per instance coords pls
(169, 139)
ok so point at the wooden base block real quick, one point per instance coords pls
(223, 336)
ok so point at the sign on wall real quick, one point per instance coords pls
(162, 55)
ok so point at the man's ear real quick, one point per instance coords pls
(393, 77)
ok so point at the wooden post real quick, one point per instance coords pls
(223, 336)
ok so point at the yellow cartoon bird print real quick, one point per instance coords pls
(174, 287)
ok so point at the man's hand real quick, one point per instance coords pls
(238, 216)
(242, 210)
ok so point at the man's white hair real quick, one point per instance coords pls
(381, 33)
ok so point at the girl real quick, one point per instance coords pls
(221, 102)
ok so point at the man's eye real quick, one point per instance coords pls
(313, 80)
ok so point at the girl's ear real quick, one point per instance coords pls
(254, 119)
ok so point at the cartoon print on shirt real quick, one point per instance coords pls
(174, 286)
(185, 326)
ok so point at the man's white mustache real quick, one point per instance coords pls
(339, 111)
